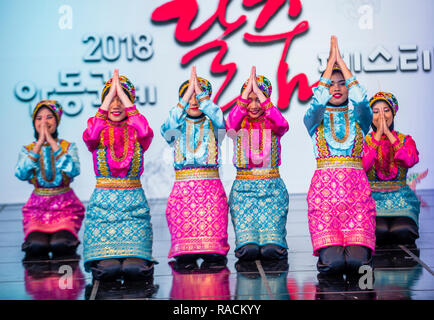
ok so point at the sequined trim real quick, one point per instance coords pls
(50, 191)
(387, 185)
(337, 109)
(132, 113)
(254, 174)
(339, 162)
(101, 115)
(188, 134)
(242, 104)
(112, 143)
(203, 98)
(212, 146)
(352, 83)
(321, 83)
(101, 156)
(323, 147)
(347, 127)
(197, 174)
(118, 183)
(180, 105)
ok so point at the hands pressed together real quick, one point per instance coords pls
(116, 90)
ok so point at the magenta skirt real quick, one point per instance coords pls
(341, 210)
(197, 215)
(53, 213)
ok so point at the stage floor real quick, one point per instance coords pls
(399, 273)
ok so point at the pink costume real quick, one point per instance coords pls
(386, 166)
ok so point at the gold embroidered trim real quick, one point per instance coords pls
(50, 191)
(387, 185)
(112, 142)
(118, 183)
(347, 127)
(188, 134)
(324, 84)
(132, 113)
(340, 162)
(337, 109)
(203, 98)
(254, 174)
(101, 115)
(197, 174)
(352, 83)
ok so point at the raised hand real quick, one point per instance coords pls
(380, 128)
(111, 94)
(341, 63)
(255, 87)
(332, 57)
(120, 91)
(190, 90)
(197, 88)
(249, 88)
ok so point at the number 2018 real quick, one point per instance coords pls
(108, 47)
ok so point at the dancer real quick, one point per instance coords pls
(387, 156)
(341, 211)
(118, 231)
(258, 200)
(52, 216)
(197, 209)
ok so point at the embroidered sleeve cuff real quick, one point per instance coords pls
(397, 145)
(351, 82)
(375, 142)
(102, 114)
(325, 82)
(182, 104)
(131, 111)
(242, 102)
(202, 96)
(33, 156)
(266, 104)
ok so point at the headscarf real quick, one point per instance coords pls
(387, 97)
(53, 105)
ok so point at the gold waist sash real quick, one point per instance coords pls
(197, 174)
(254, 174)
(116, 183)
(341, 162)
(387, 185)
(50, 191)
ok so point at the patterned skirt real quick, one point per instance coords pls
(117, 225)
(259, 209)
(53, 213)
(197, 215)
(341, 210)
(399, 203)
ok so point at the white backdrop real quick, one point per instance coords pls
(44, 50)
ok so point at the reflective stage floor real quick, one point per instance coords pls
(399, 273)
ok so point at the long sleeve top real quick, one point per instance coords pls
(338, 131)
(196, 141)
(48, 169)
(384, 161)
(117, 147)
(256, 141)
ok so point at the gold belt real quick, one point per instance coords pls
(340, 162)
(197, 174)
(50, 191)
(253, 174)
(118, 183)
(387, 185)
